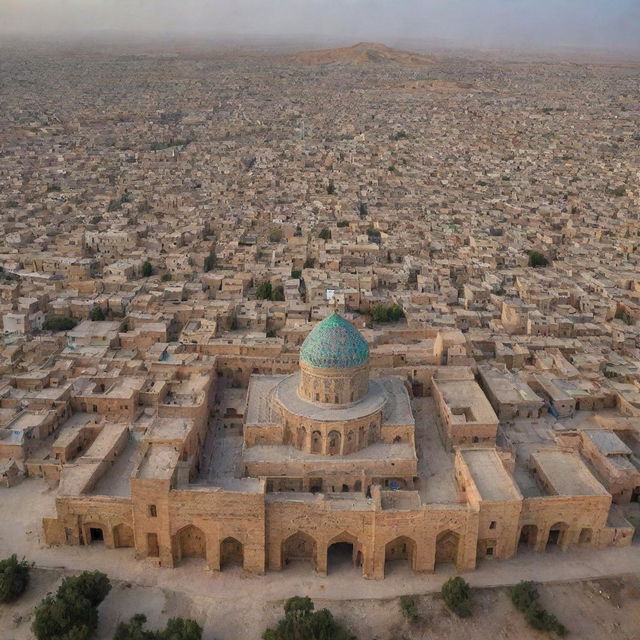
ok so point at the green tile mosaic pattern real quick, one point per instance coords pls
(334, 343)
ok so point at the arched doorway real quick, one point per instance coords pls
(192, 542)
(299, 547)
(557, 535)
(302, 437)
(343, 554)
(94, 533)
(447, 544)
(231, 553)
(316, 442)
(123, 536)
(399, 553)
(528, 536)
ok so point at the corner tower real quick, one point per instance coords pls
(334, 364)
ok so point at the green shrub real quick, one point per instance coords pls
(210, 261)
(176, 629)
(408, 608)
(309, 263)
(181, 629)
(277, 294)
(343, 223)
(540, 619)
(147, 269)
(132, 630)
(325, 234)
(97, 314)
(296, 273)
(386, 313)
(275, 236)
(14, 578)
(264, 291)
(537, 259)
(456, 594)
(72, 613)
(166, 277)
(59, 323)
(524, 594)
(92, 585)
(301, 622)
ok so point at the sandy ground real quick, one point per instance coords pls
(234, 605)
(592, 610)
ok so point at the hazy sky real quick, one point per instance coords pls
(599, 24)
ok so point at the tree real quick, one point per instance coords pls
(408, 608)
(525, 599)
(210, 261)
(147, 269)
(132, 630)
(14, 578)
(92, 585)
(542, 620)
(275, 235)
(264, 291)
(296, 273)
(363, 209)
(59, 323)
(343, 223)
(384, 313)
(301, 622)
(331, 188)
(72, 613)
(325, 234)
(456, 594)
(181, 629)
(537, 259)
(97, 314)
(524, 594)
(308, 263)
(277, 294)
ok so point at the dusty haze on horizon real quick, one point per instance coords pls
(531, 24)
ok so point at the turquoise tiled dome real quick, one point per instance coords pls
(334, 344)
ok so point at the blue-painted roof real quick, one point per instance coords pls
(334, 344)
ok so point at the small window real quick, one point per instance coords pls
(489, 551)
(153, 512)
(492, 525)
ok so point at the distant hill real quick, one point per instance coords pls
(363, 53)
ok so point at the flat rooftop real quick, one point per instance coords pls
(463, 394)
(489, 475)
(159, 462)
(567, 474)
(608, 442)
